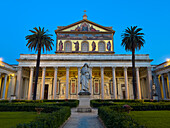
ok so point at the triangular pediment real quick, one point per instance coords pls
(85, 26)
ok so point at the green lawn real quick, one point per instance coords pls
(152, 119)
(11, 119)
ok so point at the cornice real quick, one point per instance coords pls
(144, 60)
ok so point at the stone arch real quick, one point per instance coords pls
(67, 46)
(101, 46)
(85, 46)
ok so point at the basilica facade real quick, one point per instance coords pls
(59, 75)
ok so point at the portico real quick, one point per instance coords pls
(61, 79)
(7, 80)
(161, 75)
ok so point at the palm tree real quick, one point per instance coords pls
(133, 40)
(37, 41)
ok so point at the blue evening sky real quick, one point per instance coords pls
(19, 16)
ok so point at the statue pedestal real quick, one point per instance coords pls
(84, 103)
(155, 97)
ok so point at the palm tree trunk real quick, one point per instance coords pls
(133, 72)
(37, 71)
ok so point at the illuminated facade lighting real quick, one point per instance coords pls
(167, 59)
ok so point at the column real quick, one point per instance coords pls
(43, 82)
(30, 83)
(13, 85)
(138, 83)
(55, 82)
(78, 79)
(0, 82)
(102, 82)
(19, 82)
(9, 87)
(169, 82)
(149, 75)
(114, 83)
(67, 82)
(119, 89)
(142, 88)
(4, 88)
(163, 86)
(26, 88)
(126, 83)
(91, 88)
(23, 88)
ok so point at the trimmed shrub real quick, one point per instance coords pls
(143, 107)
(38, 101)
(4, 101)
(136, 105)
(57, 112)
(51, 120)
(99, 103)
(26, 101)
(29, 106)
(114, 119)
(59, 100)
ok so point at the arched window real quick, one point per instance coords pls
(101, 46)
(84, 46)
(67, 46)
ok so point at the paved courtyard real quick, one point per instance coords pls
(83, 120)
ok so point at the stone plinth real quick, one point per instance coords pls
(155, 97)
(13, 97)
(84, 104)
(84, 93)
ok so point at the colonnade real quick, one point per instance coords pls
(160, 80)
(7, 86)
(149, 77)
(114, 88)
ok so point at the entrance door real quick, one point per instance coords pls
(46, 92)
(123, 91)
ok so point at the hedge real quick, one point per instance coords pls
(51, 120)
(36, 101)
(121, 100)
(31, 106)
(99, 103)
(137, 106)
(114, 119)
(28, 107)
(143, 107)
(23, 106)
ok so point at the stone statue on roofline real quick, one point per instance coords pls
(84, 80)
(76, 46)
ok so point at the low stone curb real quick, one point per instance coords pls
(62, 126)
(101, 121)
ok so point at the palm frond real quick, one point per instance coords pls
(39, 36)
(132, 38)
(36, 29)
(33, 31)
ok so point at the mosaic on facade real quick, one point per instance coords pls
(85, 36)
(85, 27)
